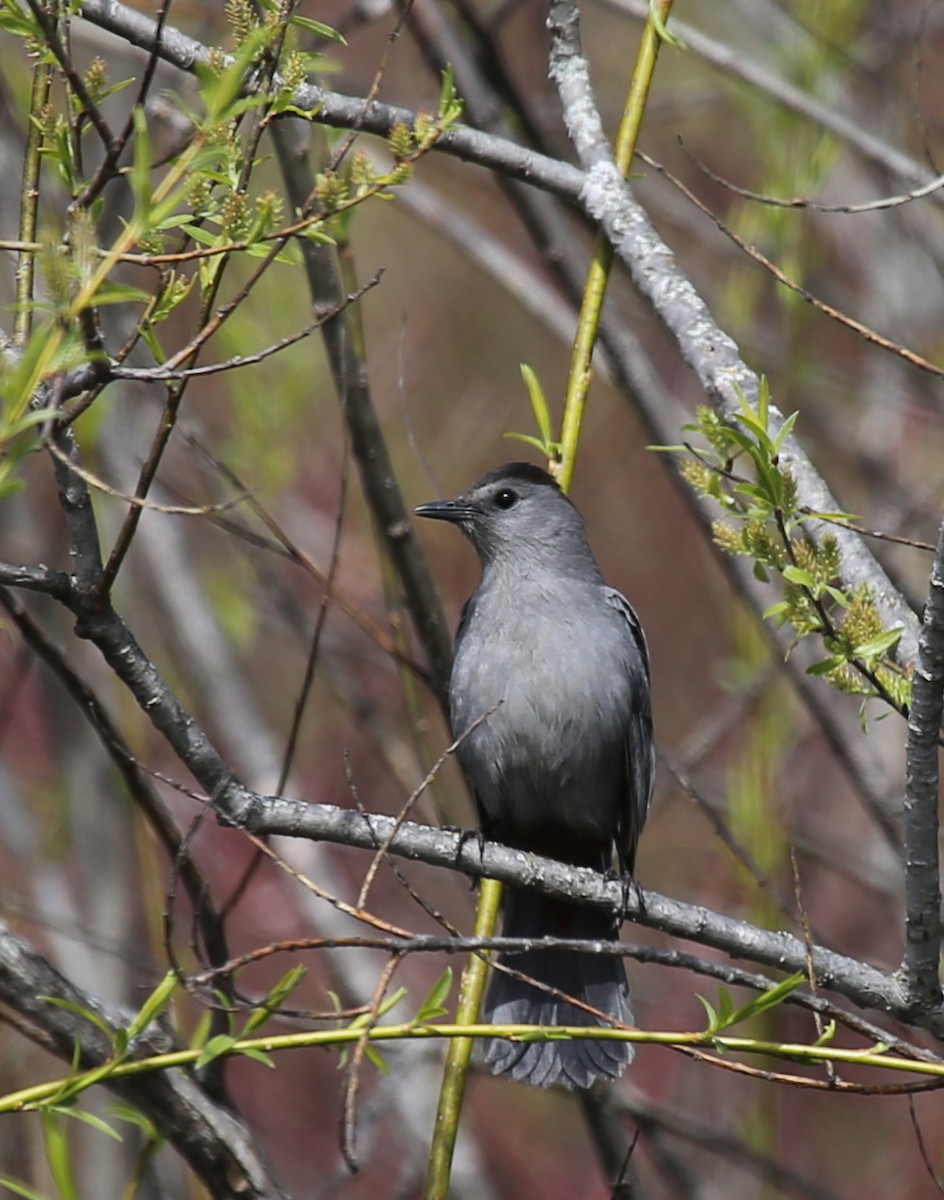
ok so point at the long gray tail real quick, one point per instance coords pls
(597, 979)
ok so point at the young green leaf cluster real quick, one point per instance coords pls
(740, 468)
(192, 209)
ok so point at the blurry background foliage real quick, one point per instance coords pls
(464, 297)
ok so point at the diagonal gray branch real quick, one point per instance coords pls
(921, 965)
(762, 78)
(709, 351)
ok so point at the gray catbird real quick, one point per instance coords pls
(562, 764)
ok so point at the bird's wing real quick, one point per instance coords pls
(463, 618)
(640, 750)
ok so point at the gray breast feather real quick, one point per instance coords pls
(557, 659)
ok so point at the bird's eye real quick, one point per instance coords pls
(506, 498)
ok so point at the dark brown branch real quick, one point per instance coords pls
(921, 966)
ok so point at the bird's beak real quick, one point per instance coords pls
(446, 510)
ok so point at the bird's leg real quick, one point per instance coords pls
(628, 883)
(465, 836)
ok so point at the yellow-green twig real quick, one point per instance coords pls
(463, 1035)
(29, 201)
(578, 379)
(459, 1053)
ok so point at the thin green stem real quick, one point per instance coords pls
(588, 323)
(462, 1035)
(29, 202)
(459, 1054)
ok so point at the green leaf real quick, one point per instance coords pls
(840, 597)
(826, 665)
(258, 1055)
(202, 1031)
(365, 1020)
(215, 1048)
(834, 516)
(879, 645)
(376, 1058)
(140, 175)
(725, 1005)
(433, 1005)
(785, 430)
(829, 1032)
(734, 437)
(799, 576)
(662, 30)
(205, 237)
(175, 291)
(769, 999)
(134, 1116)
(20, 23)
(528, 440)
(318, 28)
(450, 105)
(58, 1155)
(79, 1011)
(110, 292)
(221, 92)
(13, 1185)
(155, 1004)
(78, 1114)
(713, 1022)
(539, 405)
(274, 999)
(152, 342)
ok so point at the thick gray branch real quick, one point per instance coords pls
(921, 966)
(708, 350)
(106, 630)
(35, 579)
(216, 1146)
(866, 985)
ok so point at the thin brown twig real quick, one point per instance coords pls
(831, 1072)
(113, 152)
(841, 318)
(349, 1105)
(285, 545)
(173, 510)
(384, 847)
(922, 1146)
(349, 910)
(307, 681)
(918, 193)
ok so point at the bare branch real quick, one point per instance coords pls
(867, 986)
(35, 579)
(921, 964)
